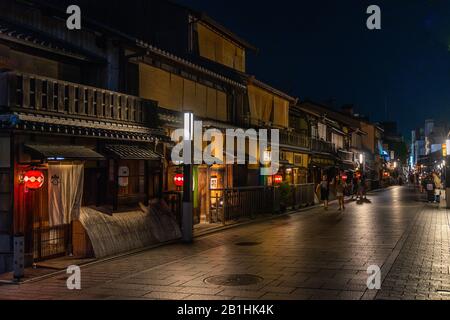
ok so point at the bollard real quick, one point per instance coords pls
(19, 256)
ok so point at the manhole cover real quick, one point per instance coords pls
(247, 243)
(234, 280)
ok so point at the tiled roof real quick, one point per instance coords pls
(132, 152)
(26, 36)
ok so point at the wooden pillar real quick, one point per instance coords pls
(115, 197)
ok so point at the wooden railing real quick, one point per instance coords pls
(322, 146)
(236, 203)
(302, 195)
(37, 94)
(295, 139)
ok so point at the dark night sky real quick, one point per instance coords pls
(322, 50)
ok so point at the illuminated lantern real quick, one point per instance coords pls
(178, 180)
(344, 177)
(277, 179)
(33, 179)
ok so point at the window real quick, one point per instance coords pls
(337, 140)
(314, 132)
(322, 131)
(356, 140)
(266, 107)
(217, 48)
(177, 93)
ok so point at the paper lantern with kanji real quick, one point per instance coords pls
(33, 179)
(277, 179)
(178, 180)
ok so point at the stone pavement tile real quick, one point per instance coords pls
(127, 298)
(206, 297)
(286, 296)
(123, 286)
(117, 292)
(325, 294)
(200, 291)
(241, 293)
(150, 281)
(278, 289)
(166, 295)
(174, 289)
(351, 295)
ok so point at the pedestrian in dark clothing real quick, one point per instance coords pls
(324, 188)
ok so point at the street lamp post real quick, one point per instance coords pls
(187, 215)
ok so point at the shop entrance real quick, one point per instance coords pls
(53, 208)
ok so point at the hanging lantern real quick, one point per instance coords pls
(33, 179)
(344, 177)
(178, 180)
(277, 179)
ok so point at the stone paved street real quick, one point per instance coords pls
(315, 254)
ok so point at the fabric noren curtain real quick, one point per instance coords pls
(65, 192)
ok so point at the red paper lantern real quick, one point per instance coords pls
(178, 180)
(344, 177)
(33, 179)
(277, 179)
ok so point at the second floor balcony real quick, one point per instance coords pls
(31, 94)
(295, 139)
(319, 145)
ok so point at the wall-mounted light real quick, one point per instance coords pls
(33, 179)
(277, 179)
(178, 180)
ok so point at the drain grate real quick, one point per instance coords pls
(248, 244)
(234, 280)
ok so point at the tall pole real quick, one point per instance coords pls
(188, 212)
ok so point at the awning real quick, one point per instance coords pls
(132, 152)
(64, 152)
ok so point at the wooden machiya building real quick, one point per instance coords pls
(188, 62)
(335, 141)
(87, 116)
(74, 148)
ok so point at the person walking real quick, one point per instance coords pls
(324, 188)
(430, 188)
(340, 189)
(354, 188)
